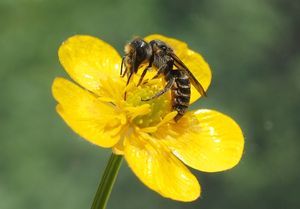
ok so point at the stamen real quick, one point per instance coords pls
(147, 113)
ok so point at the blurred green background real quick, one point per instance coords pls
(253, 49)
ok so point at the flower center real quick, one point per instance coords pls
(157, 107)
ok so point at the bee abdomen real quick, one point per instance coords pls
(181, 93)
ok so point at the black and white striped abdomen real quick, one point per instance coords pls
(181, 93)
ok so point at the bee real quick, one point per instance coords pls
(176, 74)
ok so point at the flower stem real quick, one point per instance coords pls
(107, 182)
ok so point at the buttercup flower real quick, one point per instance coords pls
(155, 147)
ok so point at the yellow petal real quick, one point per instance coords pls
(200, 69)
(92, 119)
(213, 143)
(159, 169)
(88, 59)
(193, 60)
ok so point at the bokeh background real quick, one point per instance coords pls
(253, 49)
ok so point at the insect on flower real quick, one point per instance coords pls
(162, 57)
(143, 130)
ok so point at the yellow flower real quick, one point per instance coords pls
(153, 144)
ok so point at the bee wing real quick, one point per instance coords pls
(193, 60)
(179, 64)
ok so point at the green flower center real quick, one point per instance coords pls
(159, 106)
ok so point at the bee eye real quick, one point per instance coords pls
(164, 48)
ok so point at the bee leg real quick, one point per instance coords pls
(167, 88)
(122, 64)
(128, 80)
(177, 117)
(143, 75)
(145, 71)
(160, 71)
(125, 72)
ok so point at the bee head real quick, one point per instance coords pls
(160, 47)
(137, 52)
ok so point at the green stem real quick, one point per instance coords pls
(107, 182)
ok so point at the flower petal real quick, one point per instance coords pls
(193, 60)
(214, 143)
(159, 169)
(92, 119)
(88, 59)
(200, 69)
